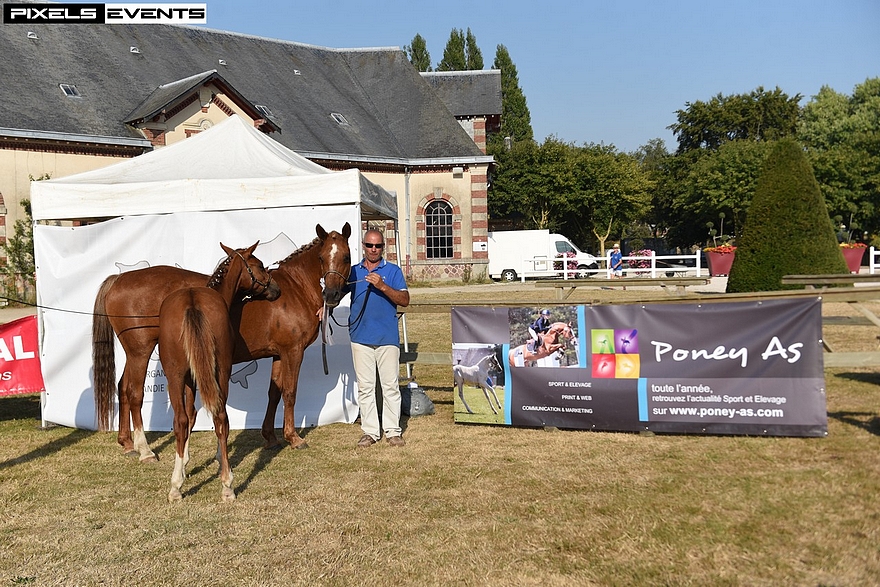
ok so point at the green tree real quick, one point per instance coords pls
(842, 138)
(533, 183)
(656, 163)
(707, 177)
(20, 267)
(612, 192)
(584, 192)
(788, 231)
(757, 116)
(418, 54)
(722, 182)
(454, 57)
(516, 120)
(474, 57)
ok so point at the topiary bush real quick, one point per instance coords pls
(787, 229)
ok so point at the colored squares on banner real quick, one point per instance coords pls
(626, 341)
(627, 366)
(604, 366)
(603, 342)
(615, 353)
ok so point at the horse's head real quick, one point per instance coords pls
(562, 329)
(254, 280)
(335, 257)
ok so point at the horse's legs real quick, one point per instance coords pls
(289, 376)
(491, 389)
(221, 427)
(461, 395)
(268, 430)
(133, 387)
(123, 436)
(485, 389)
(181, 435)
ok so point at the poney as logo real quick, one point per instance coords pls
(615, 353)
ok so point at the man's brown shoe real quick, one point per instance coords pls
(366, 441)
(396, 441)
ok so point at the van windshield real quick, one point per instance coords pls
(565, 247)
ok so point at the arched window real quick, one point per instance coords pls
(438, 230)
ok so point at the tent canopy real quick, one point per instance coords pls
(231, 166)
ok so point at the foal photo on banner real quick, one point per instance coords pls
(727, 368)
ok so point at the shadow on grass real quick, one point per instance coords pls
(246, 443)
(20, 407)
(27, 407)
(861, 377)
(54, 446)
(867, 421)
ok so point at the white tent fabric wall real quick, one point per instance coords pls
(72, 263)
(280, 211)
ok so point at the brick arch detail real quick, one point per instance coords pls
(421, 239)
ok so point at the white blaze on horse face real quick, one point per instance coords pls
(334, 253)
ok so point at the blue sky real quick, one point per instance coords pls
(611, 72)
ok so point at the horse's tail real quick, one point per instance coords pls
(200, 346)
(103, 356)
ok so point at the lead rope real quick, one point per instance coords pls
(325, 336)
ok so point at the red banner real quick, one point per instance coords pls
(20, 358)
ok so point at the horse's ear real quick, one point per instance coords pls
(250, 250)
(346, 230)
(322, 234)
(227, 250)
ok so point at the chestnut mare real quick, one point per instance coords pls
(127, 306)
(196, 344)
(553, 340)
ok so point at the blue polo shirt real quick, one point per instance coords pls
(377, 324)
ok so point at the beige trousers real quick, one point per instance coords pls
(385, 360)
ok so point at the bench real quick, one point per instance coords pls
(679, 283)
(824, 281)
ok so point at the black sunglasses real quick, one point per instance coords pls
(374, 245)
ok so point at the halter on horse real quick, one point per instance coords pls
(127, 306)
(478, 376)
(196, 342)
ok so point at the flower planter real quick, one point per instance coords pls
(853, 257)
(719, 263)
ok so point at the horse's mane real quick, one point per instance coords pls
(220, 273)
(297, 269)
(299, 251)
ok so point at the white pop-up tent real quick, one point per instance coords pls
(173, 206)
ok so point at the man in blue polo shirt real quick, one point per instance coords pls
(377, 287)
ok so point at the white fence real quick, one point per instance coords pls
(656, 266)
(659, 265)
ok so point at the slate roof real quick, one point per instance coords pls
(392, 112)
(468, 93)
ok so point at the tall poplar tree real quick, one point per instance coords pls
(474, 56)
(516, 121)
(454, 58)
(418, 54)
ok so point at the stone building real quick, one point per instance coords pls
(79, 97)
